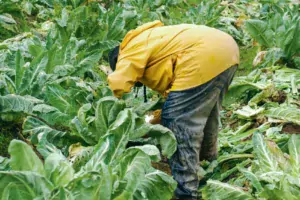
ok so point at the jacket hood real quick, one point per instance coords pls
(133, 33)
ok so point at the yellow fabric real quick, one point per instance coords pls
(172, 58)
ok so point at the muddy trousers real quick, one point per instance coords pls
(193, 116)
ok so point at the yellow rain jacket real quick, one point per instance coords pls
(172, 58)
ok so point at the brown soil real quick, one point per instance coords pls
(8, 132)
(162, 167)
(279, 96)
(291, 129)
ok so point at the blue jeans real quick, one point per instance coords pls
(193, 116)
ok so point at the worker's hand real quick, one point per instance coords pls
(156, 117)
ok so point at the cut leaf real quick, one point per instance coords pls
(218, 190)
(253, 178)
(289, 114)
(294, 150)
(247, 112)
(267, 163)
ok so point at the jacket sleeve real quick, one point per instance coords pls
(130, 68)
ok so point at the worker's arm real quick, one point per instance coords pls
(130, 68)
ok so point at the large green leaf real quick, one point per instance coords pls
(7, 19)
(253, 178)
(158, 135)
(81, 126)
(107, 111)
(52, 115)
(31, 74)
(8, 22)
(83, 131)
(122, 127)
(64, 18)
(116, 28)
(293, 46)
(99, 155)
(59, 98)
(267, 162)
(294, 150)
(12, 191)
(240, 92)
(64, 70)
(58, 170)
(131, 170)
(259, 30)
(288, 114)
(150, 150)
(277, 154)
(87, 63)
(97, 185)
(46, 138)
(155, 186)
(113, 144)
(218, 190)
(16, 103)
(28, 185)
(23, 158)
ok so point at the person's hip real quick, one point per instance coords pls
(183, 101)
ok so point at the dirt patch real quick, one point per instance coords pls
(8, 132)
(162, 167)
(278, 96)
(291, 129)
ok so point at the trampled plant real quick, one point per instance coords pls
(273, 174)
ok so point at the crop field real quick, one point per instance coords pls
(64, 136)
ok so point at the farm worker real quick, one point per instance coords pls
(193, 66)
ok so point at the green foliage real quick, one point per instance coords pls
(289, 114)
(206, 13)
(50, 86)
(278, 30)
(132, 168)
(219, 190)
(23, 158)
(274, 176)
(262, 102)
